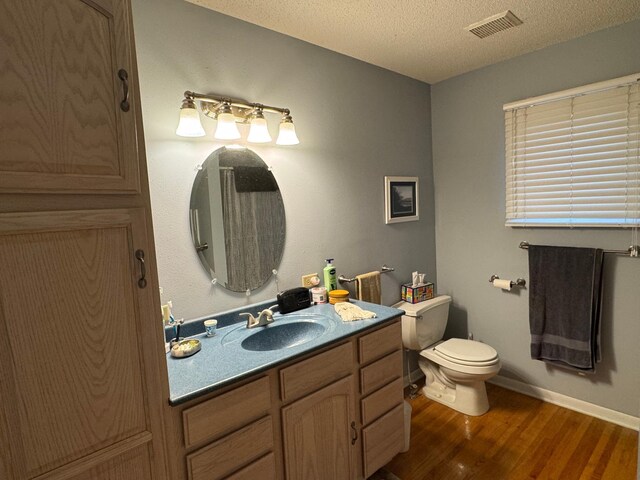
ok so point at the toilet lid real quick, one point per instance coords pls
(467, 351)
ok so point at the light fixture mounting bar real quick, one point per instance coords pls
(228, 112)
(242, 108)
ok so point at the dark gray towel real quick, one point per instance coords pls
(565, 286)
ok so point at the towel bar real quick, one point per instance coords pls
(632, 251)
(384, 269)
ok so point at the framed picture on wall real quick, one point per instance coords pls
(400, 199)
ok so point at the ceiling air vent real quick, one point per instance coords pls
(494, 24)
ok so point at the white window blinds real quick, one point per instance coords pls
(573, 157)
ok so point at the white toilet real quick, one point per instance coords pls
(455, 369)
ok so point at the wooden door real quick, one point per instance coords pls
(317, 434)
(80, 348)
(63, 127)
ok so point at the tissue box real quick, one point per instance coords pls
(417, 294)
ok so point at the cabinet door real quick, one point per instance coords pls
(317, 434)
(83, 377)
(62, 126)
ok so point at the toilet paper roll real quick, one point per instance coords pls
(503, 284)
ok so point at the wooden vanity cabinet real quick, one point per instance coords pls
(333, 414)
(230, 434)
(381, 396)
(84, 380)
(229, 431)
(319, 439)
(242, 447)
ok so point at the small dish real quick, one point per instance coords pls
(185, 348)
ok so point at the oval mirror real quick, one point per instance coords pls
(237, 219)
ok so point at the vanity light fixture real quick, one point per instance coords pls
(258, 130)
(287, 133)
(189, 125)
(229, 112)
(226, 128)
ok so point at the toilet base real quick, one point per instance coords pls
(469, 397)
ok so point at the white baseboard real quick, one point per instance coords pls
(571, 403)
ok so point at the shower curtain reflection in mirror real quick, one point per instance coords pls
(237, 219)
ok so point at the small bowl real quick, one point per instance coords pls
(185, 348)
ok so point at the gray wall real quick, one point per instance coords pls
(356, 122)
(473, 243)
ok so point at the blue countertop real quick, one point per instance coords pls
(223, 360)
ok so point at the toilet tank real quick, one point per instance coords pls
(423, 323)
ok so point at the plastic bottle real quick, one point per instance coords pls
(330, 276)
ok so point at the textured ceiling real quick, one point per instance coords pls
(426, 39)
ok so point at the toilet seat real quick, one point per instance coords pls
(477, 358)
(467, 352)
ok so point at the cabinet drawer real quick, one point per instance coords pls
(381, 372)
(315, 372)
(380, 342)
(226, 412)
(263, 468)
(231, 452)
(382, 440)
(381, 401)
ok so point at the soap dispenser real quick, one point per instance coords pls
(329, 272)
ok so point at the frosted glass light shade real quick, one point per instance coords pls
(227, 128)
(189, 124)
(259, 132)
(287, 134)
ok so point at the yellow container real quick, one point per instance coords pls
(337, 296)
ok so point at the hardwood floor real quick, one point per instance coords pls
(519, 438)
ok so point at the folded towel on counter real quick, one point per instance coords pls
(350, 312)
(565, 285)
(368, 285)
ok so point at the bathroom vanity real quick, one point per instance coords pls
(329, 408)
(308, 396)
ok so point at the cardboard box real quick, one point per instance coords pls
(417, 294)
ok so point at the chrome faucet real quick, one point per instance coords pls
(265, 317)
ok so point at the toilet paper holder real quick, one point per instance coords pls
(520, 282)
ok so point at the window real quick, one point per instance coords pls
(573, 157)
